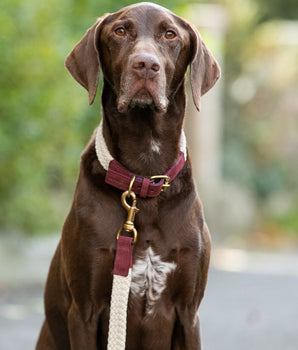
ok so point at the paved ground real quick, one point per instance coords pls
(251, 300)
(248, 311)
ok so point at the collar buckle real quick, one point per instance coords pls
(166, 179)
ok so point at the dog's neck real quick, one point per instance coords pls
(143, 140)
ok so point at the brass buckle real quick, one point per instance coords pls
(162, 177)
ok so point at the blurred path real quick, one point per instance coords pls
(243, 311)
(251, 300)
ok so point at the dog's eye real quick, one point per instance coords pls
(170, 34)
(120, 31)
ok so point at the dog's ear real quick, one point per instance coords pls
(83, 61)
(204, 70)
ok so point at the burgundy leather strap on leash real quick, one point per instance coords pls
(123, 259)
(144, 186)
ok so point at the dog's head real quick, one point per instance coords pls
(144, 51)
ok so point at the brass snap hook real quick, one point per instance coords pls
(132, 195)
(132, 210)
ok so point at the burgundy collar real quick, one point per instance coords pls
(144, 186)
(121, 178)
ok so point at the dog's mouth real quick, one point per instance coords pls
(142, 99)
(142, 94)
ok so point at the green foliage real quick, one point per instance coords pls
(36, 135)
(288, 222)
(260, 128)
(278, 9)
(258, 95)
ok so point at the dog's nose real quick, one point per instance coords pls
(146, 65)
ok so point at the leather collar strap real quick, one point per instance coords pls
(120, 177)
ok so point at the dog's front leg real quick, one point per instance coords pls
(82, 328)
(186, 335)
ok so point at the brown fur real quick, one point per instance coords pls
(78, 289)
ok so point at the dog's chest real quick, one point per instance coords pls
(149, 277)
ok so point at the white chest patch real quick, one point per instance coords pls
(155, 146)
(149, 277)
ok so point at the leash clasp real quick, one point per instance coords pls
(131, 212)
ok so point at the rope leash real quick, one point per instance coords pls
(122, 275)
(118, 312)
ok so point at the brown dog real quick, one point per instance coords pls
(143, 51)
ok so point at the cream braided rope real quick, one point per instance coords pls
(102, 152)
(118, 312)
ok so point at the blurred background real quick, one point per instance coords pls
(244, 146)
